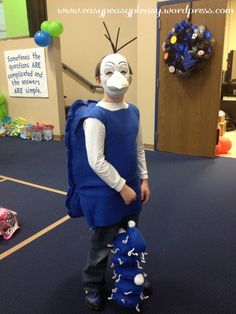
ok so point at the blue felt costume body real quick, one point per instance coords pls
(88, 195)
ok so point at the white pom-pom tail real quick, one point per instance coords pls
(139, 280)
(131, 224)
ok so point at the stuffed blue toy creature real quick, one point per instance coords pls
(129, 249)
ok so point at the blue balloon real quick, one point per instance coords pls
(42, 38)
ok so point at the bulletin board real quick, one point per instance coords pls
(26, 73)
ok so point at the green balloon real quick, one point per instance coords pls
(2, 98)
(55, 28)
(45, 26)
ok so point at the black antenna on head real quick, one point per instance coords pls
(109, 38)
(114, 47)
(126, 44)
(117, 37)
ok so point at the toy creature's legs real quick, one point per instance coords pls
(93, 277)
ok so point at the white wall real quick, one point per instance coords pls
(147, 68)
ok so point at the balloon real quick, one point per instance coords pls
(42, 38)
(3, 111)
(218, 149)
(45, 26)
(2, 98)
(55, 28)
(226, 144)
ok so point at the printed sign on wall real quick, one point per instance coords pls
(26, 72)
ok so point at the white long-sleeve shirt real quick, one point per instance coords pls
(95, 134)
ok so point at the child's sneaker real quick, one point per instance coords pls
(94, 300)
(147, 288)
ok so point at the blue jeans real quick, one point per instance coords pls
(93, 276)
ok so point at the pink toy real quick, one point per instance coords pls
(8, 223)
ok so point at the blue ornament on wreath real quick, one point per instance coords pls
(42, 38)
(187, 48)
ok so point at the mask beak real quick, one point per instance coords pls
(118, 80)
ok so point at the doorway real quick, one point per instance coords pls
(187, 108)
(228, 86)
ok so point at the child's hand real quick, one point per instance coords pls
(128, 194)
(145, 192)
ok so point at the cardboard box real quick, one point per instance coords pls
(221, 116)
(222, 126)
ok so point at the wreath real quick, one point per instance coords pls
(187, 48)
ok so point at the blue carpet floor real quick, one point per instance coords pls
(36, 209)
(189, 225)
(42, 163)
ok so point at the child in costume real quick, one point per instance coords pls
(113, 177)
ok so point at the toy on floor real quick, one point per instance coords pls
(47, 132)
(37, 132)
(223, 146)
(129, 252)
(8, 223)
(2, 129)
